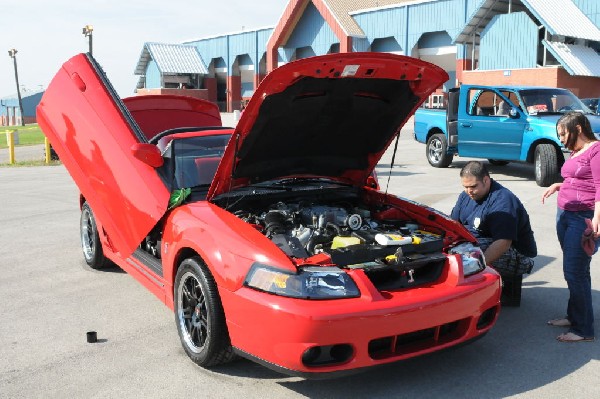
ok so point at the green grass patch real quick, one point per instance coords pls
(28, 135)
(39, 162)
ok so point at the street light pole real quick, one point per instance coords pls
(87, 32)
(13, 54)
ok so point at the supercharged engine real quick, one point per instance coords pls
(349, 234)
(393, 254)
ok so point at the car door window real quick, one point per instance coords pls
(487, 103)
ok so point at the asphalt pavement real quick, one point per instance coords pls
(50, 299)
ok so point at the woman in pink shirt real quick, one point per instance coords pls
(578, 200)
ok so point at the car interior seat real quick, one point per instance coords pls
(503, 108)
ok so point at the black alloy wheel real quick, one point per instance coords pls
(199, 315)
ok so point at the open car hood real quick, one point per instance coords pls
(330, 116)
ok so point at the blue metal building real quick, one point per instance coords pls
(534, 42)
(10, 114)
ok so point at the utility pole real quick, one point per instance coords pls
(13, 54)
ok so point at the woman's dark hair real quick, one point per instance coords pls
(569, 123)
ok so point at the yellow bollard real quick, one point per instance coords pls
(48, 155)
(11, 146)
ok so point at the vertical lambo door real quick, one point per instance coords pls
(105, 152)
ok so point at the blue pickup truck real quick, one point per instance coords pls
(502, 124)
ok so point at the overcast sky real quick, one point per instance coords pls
(46, 33)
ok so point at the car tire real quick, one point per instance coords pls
(498, 162)
(546, 165)
(436, 151)
(53, 154)
(90, 239)
(199, 315)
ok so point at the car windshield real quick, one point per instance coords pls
(197, 158)
(591, 103)
(551, 101)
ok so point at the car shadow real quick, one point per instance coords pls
(109, 268)
(518, 355)
(245, 368)
(512, 171)
(517, 170)
(383, 171)
(381, 175)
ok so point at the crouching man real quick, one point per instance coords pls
(499, 221)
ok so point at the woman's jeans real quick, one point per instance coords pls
(576, 268)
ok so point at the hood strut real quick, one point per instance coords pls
(233, 164)
(392, 162)
(235, 155)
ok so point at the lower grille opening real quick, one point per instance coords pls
(486, 318)
(327, 355)
(416, 341)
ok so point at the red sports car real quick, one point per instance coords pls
(271, 240)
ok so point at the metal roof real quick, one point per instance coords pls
(24, 94)
(564, 18)
(341, 10)
(560, 17)
(171, 59)
(576, 59)
(484, 14)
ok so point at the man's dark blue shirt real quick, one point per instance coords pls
(500, 215)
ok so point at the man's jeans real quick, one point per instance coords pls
(576, 269)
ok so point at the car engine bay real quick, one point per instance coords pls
(393, 253)
(392, 246)
(303, 229)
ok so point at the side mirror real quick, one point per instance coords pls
(148, 154)
(513, 113)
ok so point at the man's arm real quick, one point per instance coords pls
(455, 214)
(496, 250)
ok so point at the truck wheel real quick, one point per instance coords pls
(436, 151)
(546, 165)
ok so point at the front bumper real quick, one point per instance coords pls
(375, 329)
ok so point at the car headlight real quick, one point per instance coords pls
(312, 282)
(473, 260)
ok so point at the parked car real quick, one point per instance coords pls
(501, 123)
(592, 104)
(269, 241)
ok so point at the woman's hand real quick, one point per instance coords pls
(550, 190)
(596, 227)
(596, 220)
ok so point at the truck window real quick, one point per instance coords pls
(550, 100)
(512, 96)
(435, 101)
(537, 101)
(487, 103)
